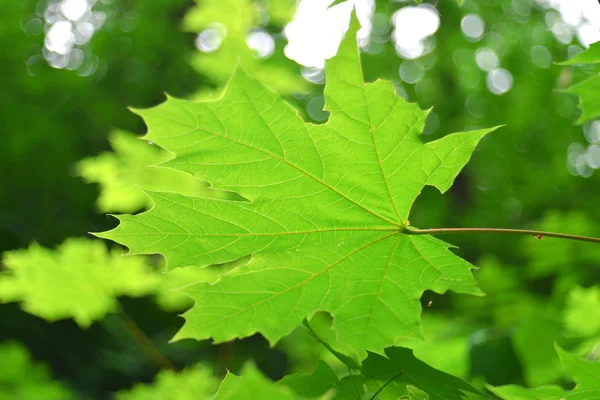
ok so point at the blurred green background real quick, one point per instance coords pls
(485, 63)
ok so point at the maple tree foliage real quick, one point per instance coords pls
(326, 209)
(266, 219)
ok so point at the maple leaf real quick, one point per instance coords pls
(195, 382)
(588, 89)
(23, 378)
(79, 280)
(584, 373)
(230, 30)
(249, 385)
(325, 211)
(395, 375)
(131, 164)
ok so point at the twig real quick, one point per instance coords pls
(536, 234)
(144, 342)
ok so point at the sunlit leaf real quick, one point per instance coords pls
(193, 383)
(582, 311)
(586, 374)
(81, 279)
(22, 378)
(587, 90)
(224, 35)
(514, 392)
(326, 209)
(119, 174)
(250, 385)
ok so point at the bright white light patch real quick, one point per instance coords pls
(472, 26)
(412, 25)
(486, 59)
(262, 43)
(315, 33)
(499, 81)
(59, 38)
(210, 39)
(74, 9)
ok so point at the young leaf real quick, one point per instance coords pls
(585, 374)
(22, 378)
(250, 384)
(393, 377)
(314, 385)
(351, 387)
(326, 209)
(131, 164)
(193, 383)
(515, 392)
(224, 27)
(582, 311)
(587, 90)
(79, 280)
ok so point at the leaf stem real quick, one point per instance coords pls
(143, 341)
(348, 361)
(536, 234)
(383, 387)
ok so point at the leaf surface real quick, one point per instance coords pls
(250, 384)
(81, 279)
(193, 383)
(325, 211)
(588, 89)
(314, 385)
(393, 377)
(131, 164)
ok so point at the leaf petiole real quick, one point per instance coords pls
(348, 361)
(534, 233)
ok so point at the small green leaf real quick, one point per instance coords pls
(351, 387)
(589, 56)
(249, 385)
(22, 378)
(533, 342)
(231, 28)
(514, 392)
(589, 101)
(314, 385)
(120, 172)
(582, 311)
(193, 383)
(587, 90)
(585, 374)
(393, 376)
(81, 279)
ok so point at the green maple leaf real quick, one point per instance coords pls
(232, 21)
(396, 375)
(250, 384)
(588, 89)
(582, 311)
(22, 378)
(314, 385)
(326, 209)
(515, 392)
(585, 374)
(193, 383)
(79, 280)
(131, 164)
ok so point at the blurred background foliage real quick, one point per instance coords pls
(72, 69)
